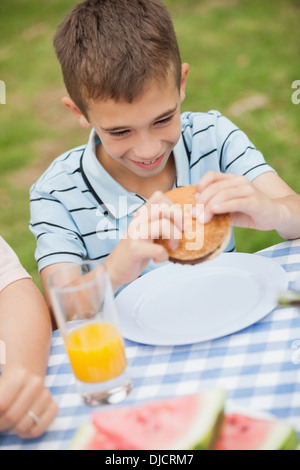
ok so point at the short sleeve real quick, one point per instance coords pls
(57, 237)
(11, 269)
(237, 154)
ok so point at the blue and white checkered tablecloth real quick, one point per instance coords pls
(258, 367)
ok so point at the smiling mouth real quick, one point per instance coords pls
(150, 164)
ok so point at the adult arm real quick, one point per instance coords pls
(25, 330)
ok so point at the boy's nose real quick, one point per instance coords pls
(147, 149)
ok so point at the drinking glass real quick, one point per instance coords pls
(84, 307)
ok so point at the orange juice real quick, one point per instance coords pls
(96, 352)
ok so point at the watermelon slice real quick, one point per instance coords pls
(180, 423)
(240, 432)
(89, 438)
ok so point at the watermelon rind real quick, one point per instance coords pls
(282, 437)
(291, 442)
(205, 427)
(82, 437)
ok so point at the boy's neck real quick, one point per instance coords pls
(145, 187)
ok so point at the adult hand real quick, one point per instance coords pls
(26, 406)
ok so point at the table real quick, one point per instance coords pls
(258, 367)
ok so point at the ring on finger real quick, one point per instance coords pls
(34, 417)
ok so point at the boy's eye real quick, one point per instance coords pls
(119, 133)
(164, 121)
(124, 133)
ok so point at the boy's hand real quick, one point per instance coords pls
(250, 207)
(158, 217)
(21, 392)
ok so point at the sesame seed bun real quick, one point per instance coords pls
(199, 242)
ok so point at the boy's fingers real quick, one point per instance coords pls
(164, 229)
(150, 250)
(159, 205)
(167, 210)
(148, 220)
(160, 228)
(220, 191)
(212, 177)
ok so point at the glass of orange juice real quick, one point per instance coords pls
(83, 304)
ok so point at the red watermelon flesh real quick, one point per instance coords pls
(180, 423)
(240, 432)
(148, 424)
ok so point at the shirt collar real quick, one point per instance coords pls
(181, 163)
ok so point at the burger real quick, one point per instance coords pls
(199, 242)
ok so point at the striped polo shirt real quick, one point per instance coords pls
(78, 211)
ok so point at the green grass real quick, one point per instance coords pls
(243, 57)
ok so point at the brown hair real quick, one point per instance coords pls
(115, 48)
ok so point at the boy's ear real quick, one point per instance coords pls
(69, 103)
(184, 75)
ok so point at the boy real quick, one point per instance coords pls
(26, 406)
(123, 73)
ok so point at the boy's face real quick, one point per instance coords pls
(138, 138)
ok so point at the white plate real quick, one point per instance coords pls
(182, 304)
